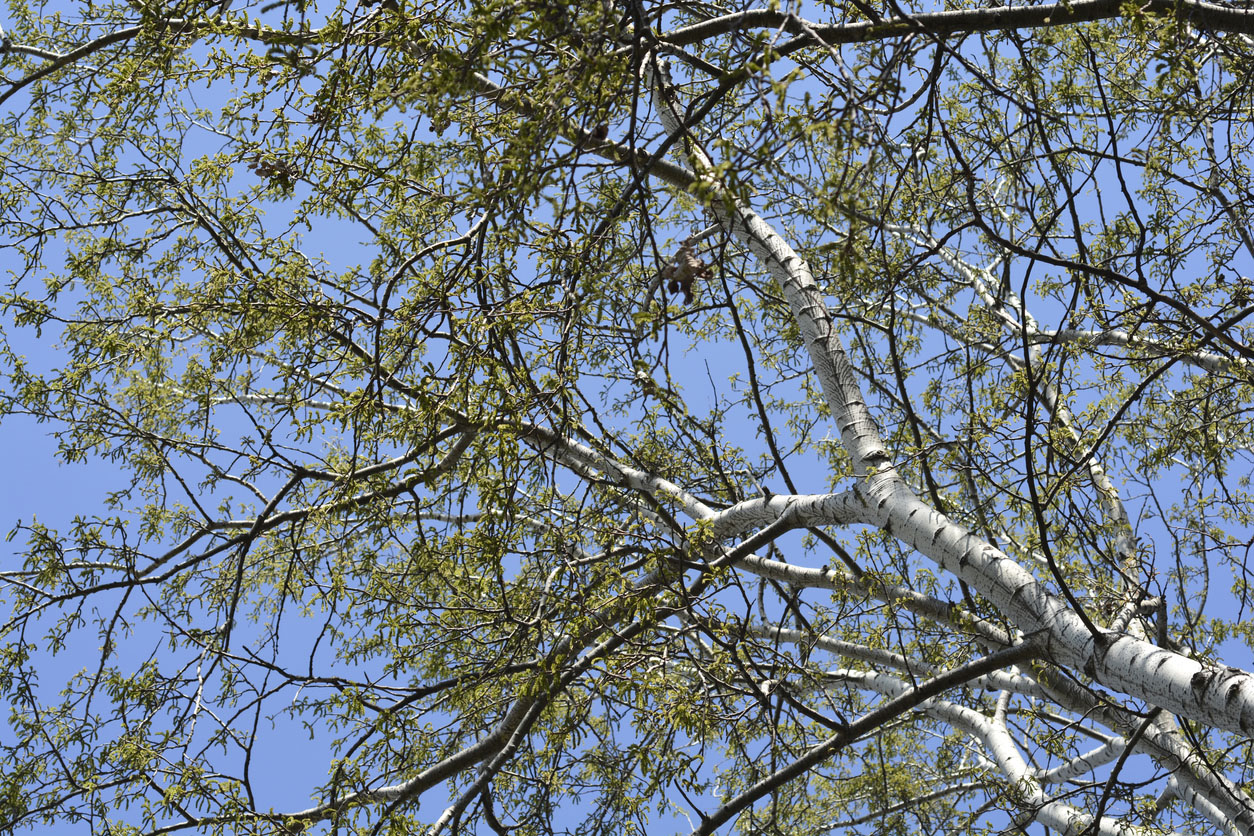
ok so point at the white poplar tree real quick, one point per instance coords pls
(604, 418)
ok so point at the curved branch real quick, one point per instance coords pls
(865, 724)
(961, 21)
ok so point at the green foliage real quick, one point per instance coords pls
(428, 389)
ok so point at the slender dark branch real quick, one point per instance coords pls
(866, 723)
(1095, 825)
(57, 60)
(964, 21)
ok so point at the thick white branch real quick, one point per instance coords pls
(1084, 764)
(1002, 750)
(995, 681)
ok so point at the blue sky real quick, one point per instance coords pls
(288, 763)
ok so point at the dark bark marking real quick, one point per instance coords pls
(1200, 682)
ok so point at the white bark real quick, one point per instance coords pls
(1084, 764)
(1002, 751)
(1222, 698)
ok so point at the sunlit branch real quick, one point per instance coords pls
(1162, 741)
(997, 680)
(1210, 811)
(1084, 764)
(881, 813)
(1004, 753)
(1023, 325)
(960, 21)
(1181, 684)
(908, 699)
(1141, 347)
